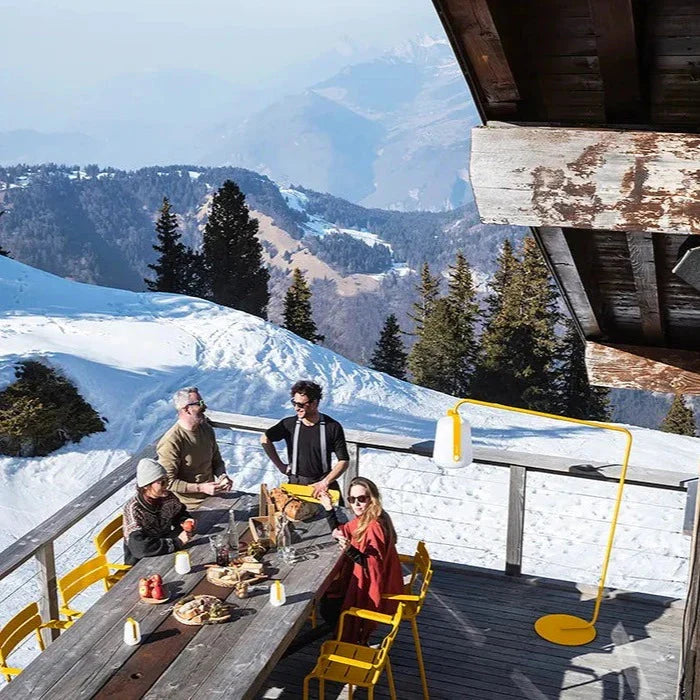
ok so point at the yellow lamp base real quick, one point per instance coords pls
(567, 630)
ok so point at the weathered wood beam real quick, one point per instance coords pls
(641, 247)
(586, 178)
(647, 368)
(616, 46)
(476, 38)
(571, 284)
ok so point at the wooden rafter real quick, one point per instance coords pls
(586, 178)
(641, 248)
(616, 45)
(477, 42)
(569, 279)
(647, 368)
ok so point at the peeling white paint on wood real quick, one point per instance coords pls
(586, 178)
(647, 368)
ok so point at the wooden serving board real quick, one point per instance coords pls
(154, 601)
(194, 621)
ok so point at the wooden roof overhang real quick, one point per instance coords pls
(600, 155)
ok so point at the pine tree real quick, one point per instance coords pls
(517, 366)
(432, 358)
(680, 418)
(461, 298)
(390, 353)
(507, 266)
(297, 309)
(578, 398)
(540, 339)
(4, 252)
(445, 354)
(41, 411)
(172, 269)
(236, 276)
(428, 290)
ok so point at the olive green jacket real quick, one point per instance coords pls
(190, 456)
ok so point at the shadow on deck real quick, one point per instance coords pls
(478, 641)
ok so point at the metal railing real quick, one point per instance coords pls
(38, 544)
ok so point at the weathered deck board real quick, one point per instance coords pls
(478, 642)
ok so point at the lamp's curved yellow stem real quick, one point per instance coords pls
(456, 433)
(592, 424)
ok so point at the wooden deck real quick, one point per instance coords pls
(478, 641)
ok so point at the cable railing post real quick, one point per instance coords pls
(516, 520)
(48, 594)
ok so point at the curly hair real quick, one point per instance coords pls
(307, 388)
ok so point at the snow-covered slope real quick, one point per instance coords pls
(129, 352)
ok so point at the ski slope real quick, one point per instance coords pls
(128, 352)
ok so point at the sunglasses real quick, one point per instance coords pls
(360, 499)
(299, 404)
(197, 403)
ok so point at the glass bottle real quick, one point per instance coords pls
(232, 535)
(284, 540)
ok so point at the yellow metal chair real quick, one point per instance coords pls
(17, 629)
(421, 575)
(356, 664)
(104, 540)
(80, 578)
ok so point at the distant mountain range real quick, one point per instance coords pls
(391, 132)
(98, 227)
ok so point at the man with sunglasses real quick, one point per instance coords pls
(311, 438)
(189, 453)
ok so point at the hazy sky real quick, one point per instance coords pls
(54, 48)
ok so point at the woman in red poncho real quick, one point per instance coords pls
(370, 566)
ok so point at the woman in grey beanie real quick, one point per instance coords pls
(153, 517)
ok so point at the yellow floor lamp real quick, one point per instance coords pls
(453, 449)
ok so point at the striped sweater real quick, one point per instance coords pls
(151, 529)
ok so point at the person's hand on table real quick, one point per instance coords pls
(325, 500)
(209, 487)
(184, 537)
(318, 488)
(224, 482)
(343, 542)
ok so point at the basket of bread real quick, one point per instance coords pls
(201, 610)
(293, 507)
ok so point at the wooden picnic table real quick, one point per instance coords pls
(232, 659)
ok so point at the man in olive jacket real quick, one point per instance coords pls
(189, 453)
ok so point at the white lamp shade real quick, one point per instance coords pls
(443, 451)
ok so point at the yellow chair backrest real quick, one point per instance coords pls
(109, 535)
(16, 630)
(385, 646)
(77, 580)
(423, 572)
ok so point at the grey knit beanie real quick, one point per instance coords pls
(148, 471)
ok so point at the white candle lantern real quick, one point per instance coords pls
(453, 441)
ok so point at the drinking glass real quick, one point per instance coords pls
(284, 542)
(220, 548)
